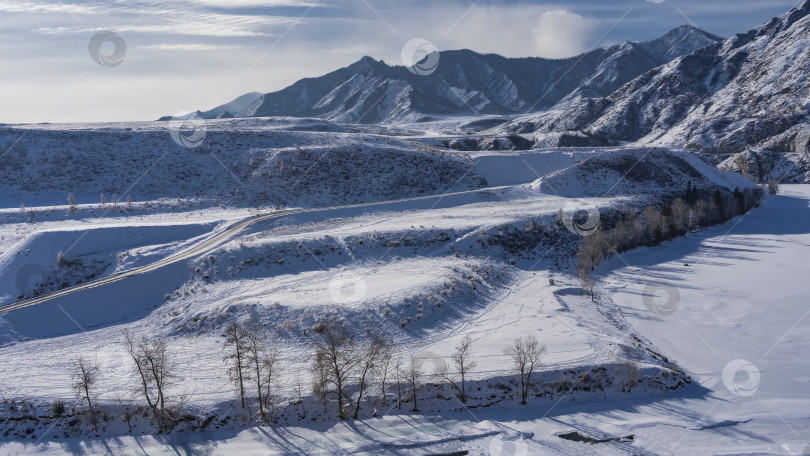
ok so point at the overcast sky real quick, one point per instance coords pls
(184, 54)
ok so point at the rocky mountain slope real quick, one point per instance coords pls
(750, 91)
(371, 91)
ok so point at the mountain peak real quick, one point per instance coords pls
(365, 63)
(465, 81)
(685, 30)
(723, 98)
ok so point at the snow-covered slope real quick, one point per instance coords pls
(243, 162)
(749, 91)
(628, 60)
(764, 165)
(371, 91)
(638, 171)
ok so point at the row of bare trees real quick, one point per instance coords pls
(253, 363)
(345, 369)
(349, 371)
(653, 226)
(74, 208)
(150, 359)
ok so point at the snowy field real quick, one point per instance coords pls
(491, 264)
(710, 318)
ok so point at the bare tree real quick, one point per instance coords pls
(299, 384)
(336, 357)
(270, 368)
(525, 354)
(72, 204)
(399, 374)
(414, 374)
(262, 357)
(320, 384)
(654, 224)
(594, 249)
(85, 376)
(631, 367)
(464, 364)
(235, 341)
(772, 186)
(679, 220)
(151, 365)
(254, 347)
(372, 354)
(384, 372)
(126, 410)
(587, 280)
(629, 363)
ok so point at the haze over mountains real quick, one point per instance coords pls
(465, 82)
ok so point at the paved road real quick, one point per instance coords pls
(208, 245)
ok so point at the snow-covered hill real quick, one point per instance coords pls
(371, 91)
(242, 162)
(638, 171)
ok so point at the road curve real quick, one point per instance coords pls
(210, 244)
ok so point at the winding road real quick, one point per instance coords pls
(211, 243)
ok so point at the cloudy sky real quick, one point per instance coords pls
(190, 54)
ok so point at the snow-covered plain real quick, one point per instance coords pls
(492, 264)
(740, 297)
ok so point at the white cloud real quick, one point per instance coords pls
(520, 30)
(31, 7)
(191, 47)
(206, 24)
(255, 3)
(560, 34)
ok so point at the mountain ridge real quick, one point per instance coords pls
(466, 82)
(749, 91)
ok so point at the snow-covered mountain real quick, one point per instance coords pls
(465, 82)
(749, 91)
(226, 111)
